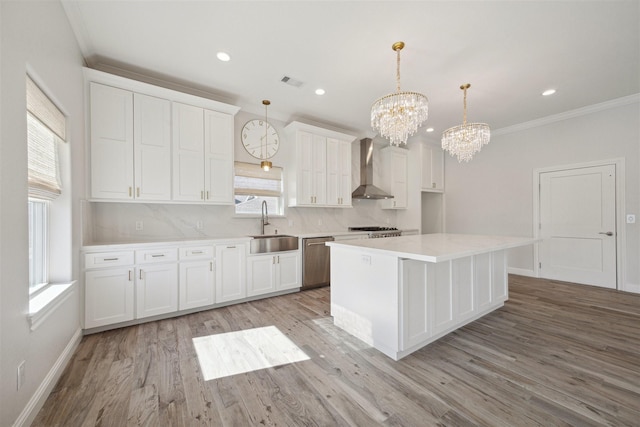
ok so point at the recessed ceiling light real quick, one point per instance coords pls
(548, 92)
(320, 92)
(429, 129)
(223, 56)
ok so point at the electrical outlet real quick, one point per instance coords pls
(290, 223)
(139, 225)
(631, 219)
(21, 374)
(199, 225)
(319, 222)
(366, 259)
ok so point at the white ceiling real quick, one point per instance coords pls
(510, 51)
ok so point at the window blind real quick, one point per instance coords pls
(45, 110)
(45, 127)
(250, 179)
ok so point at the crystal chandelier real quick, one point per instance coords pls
(464, 140)
(399, 115)
(265, 164)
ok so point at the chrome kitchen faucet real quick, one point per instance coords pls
(265, 216)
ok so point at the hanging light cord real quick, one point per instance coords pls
(398, 69)
(464, 116)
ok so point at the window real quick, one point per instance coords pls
(45, 130)
(252, 186)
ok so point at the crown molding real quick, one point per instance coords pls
(618, 102)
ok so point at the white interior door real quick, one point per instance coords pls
(577, 225)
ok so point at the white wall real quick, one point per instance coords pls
(36, 37)
(492, 194)
(107, 222)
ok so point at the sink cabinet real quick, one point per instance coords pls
(273, 272)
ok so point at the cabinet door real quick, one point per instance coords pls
(108, 297)
(305, 174)
(230, 272)
(333, 172)
(319, 162)
(188, 150)
(156, 290)
(261, 274)
(218, 157)
(111, 142)
(344, 160)
(197, 284)
(432, 168)
(395, 171)
(338, 172)
(288, 273)
(415, 297)
(152, 147)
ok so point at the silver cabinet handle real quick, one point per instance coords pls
(157, 255)
(129, 275)
(110, 259)
(608, 233)
(316, 244)
(196, 252)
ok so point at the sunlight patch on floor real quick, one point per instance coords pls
(232, 353)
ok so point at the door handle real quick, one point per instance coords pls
(317, 244)
(608, 233)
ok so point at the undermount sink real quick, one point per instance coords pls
(265, 243)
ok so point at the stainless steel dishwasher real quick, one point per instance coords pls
(316, 262)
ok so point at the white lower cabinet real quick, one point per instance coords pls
(109, 296)
(273, 272)
(197, 277)
(231, 272)
(123, 285)
(156, 289)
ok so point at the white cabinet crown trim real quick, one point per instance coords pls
(97, 76)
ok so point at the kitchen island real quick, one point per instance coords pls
(399, 294)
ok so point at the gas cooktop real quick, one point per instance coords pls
(372, 228)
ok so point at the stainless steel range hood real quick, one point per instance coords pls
(367, 190)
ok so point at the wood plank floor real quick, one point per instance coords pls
(556, 354)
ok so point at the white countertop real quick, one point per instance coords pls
(436, 247)
(204, 240)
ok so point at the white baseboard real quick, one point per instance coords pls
(521, 272)
(631, 287)
(36, 402)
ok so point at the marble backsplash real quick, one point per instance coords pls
(105, 222)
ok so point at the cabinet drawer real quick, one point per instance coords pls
(196, 252)
(150, 256)
(108, 259)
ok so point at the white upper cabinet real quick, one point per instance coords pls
(202, 155)
(338, 172)
(151, 147)
(149, 143)
(130, 145)
(320, 172)
(218, 157)
(395, 176)
(111, 142)
(188, 151)
(432, 168)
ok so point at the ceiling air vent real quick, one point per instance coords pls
(291, 81)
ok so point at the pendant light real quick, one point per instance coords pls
(266, 165)
(464, 140)
(399, 115)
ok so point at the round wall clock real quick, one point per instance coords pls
(259, 144)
